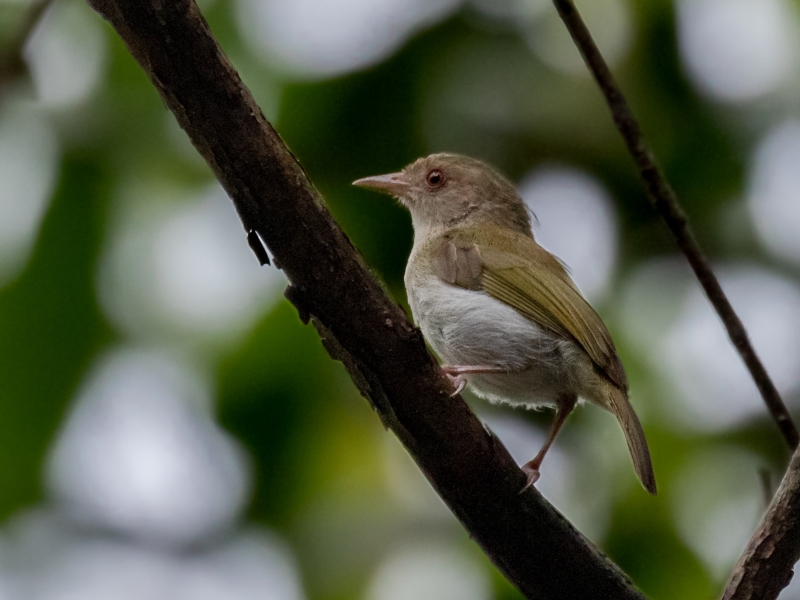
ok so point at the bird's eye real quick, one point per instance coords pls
(435, 178)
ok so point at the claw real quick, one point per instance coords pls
(459, 382)
(457, 374)
(532, 474)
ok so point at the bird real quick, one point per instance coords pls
(501, 312)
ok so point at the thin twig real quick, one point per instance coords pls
(528, 540)
(765, 568)
(666, 204)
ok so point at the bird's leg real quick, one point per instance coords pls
(457, 374)
(531, 468)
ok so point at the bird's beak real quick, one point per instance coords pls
(393, 184)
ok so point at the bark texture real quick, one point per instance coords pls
(766, 567)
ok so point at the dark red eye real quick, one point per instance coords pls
(435, 178)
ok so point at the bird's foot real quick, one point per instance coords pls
(457, 374)
(459, 382)
(532, 473)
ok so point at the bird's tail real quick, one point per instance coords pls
(634, 435)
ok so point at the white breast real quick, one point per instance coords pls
(468, 327)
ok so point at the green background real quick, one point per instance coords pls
(333, 488)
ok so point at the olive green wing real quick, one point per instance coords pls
(514, 269)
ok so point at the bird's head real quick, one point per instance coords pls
(443, 191)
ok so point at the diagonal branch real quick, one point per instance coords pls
(528, 540)
(666, 204)
(765, 568)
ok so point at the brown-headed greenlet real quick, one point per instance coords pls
(500, 311)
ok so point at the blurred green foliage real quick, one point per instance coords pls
(319, 456)
(51, 328)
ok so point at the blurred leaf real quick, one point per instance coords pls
(50, 329)
(646, 547)
(271, 390)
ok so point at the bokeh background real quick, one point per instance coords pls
(170, 430)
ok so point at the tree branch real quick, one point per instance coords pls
(528, 540)
(765, 568)
(666, 204)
